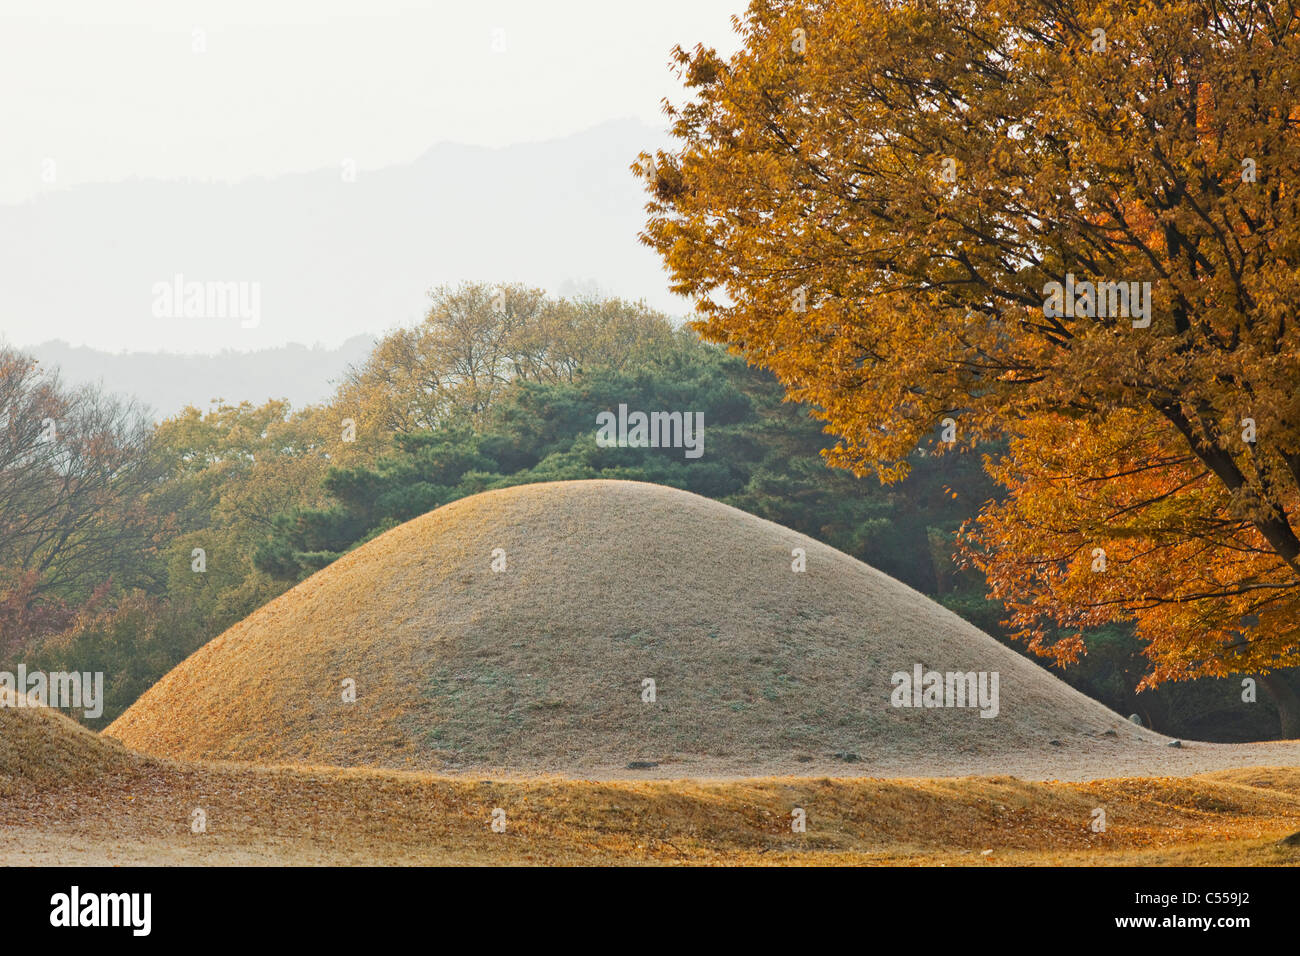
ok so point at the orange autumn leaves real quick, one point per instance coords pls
(873, 213)
(1114, 522)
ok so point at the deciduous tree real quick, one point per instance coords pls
(75, 472)
(874, 198)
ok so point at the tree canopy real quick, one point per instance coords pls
(763, 455)
(476, 339)
(75, 472)
(906, 209)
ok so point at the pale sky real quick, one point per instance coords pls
(99, 91)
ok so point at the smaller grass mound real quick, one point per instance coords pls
(317, 816)
(40, 747)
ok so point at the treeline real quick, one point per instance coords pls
(124, 546)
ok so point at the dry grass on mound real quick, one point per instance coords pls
(42, 748)
(539, 668)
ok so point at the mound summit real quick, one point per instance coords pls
(541, 667)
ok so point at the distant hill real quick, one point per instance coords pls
(331, 258)
(167, 382)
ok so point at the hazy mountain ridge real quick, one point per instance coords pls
(167, 382)
(331, 258)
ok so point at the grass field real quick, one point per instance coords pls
(142, 812)
(70, 796)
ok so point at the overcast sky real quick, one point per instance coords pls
(100, 91)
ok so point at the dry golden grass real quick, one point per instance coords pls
(43, 748)
(110, 806)
(539, 669)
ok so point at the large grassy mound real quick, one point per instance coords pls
(540, 667)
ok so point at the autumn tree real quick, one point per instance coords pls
(475, 340)
(75, 471)
(228, 471)
(918, 214)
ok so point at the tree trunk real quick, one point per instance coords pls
(1287, 701)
